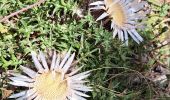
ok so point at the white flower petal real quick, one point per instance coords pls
(21, 98)
(74, 72)
(21, 79)
(36, 62)
(38, 98)
(134, 38)
(57, 62)
(77, 97)
(139, 6)
(20, 94)
(112, 25)
(33, 96)
(102, 16)
(80, 93)
(115, 33)
(68, 63)
(97, 8)
(126, 37)
(121, 35)
(137, 35)
(77, 81)
(42, 57)
(29, 93)
(18, 75)
(81, 87)
(65, 59)
(81, 75)
(28, 71)
(97, 3)
(53, 61)
(20, 83)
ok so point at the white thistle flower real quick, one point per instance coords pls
(51, 83)
(124, 16)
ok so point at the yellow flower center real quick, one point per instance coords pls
(116, 13)
(50, 86)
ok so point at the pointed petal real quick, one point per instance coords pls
(38, 98)
(81, 88)
(18, 75)
(33, 96)
(126, 37)
(77, 81)
(115, 33)
(77, 97)
(102, 16)
(20, 83)
(97, 8)
(134, 38)
(118, 31)
(137, 35)
(21, 98)
(112, 25)
(53, 61)
(28, 71)
(42, 57)
(18, 94)
(138, 6)
(29, 93)
(121, 35)
(21, 79)
(80, 93)
(36, 62)
(57, 62)
(74, 72)
(97, 3)
(81, 75)
(68, 63)
(65, 59)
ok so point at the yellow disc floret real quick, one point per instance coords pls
(116, 13)
(50, 86)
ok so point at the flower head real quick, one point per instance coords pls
(124, 16)
(56, 82)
